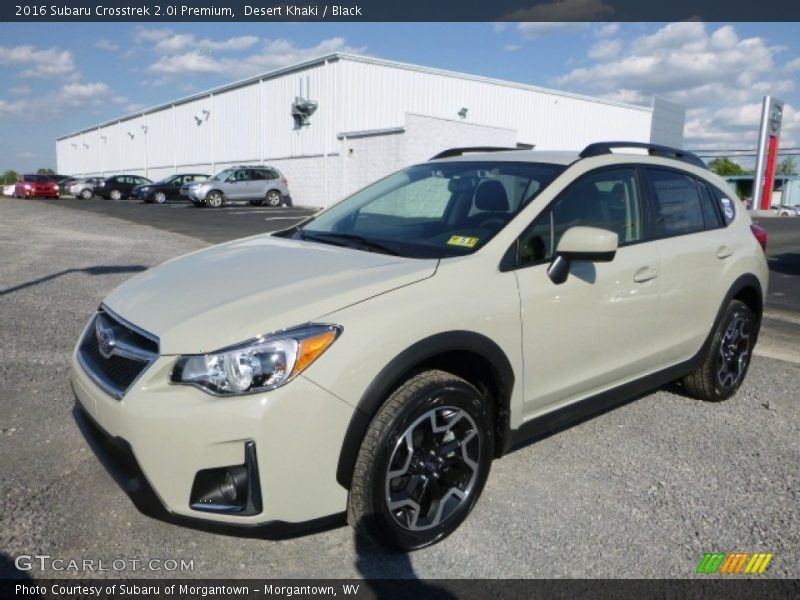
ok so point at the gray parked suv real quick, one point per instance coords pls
(257, 184)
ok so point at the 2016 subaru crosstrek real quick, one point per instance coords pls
(377, 357)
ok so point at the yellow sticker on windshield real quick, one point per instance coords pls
(463, 240)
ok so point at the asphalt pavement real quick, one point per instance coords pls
(641, 491)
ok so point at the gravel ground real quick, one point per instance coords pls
(641, 491)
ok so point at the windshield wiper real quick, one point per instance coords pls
(348, 240)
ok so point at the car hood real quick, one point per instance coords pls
(230, 293)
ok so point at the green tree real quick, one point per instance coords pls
(9, 177)
(44, 171)
(725, 166)
(788, 166)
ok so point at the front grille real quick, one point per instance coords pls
(114, 353)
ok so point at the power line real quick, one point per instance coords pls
(750, 150)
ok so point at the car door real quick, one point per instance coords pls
(595, 329)
(696, 255)
(236, 185)
(257, 189)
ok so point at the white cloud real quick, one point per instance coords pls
(605, 49)
(73, 96)
(606, 29)
(12, 109)
(105, 44)
(39, 63)
(717, 75)
(273, 54)
(78, 95)
(168, 41)
(535, 30)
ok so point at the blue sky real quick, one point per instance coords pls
(60, 77)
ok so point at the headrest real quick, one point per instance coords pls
(491, 196)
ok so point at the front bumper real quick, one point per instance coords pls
(174, 431)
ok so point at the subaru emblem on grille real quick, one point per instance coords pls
(106, 340)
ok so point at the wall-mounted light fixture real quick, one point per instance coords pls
(104, 138)
(130, 135)
(85, 145)
(207, 113)
(463, 112)
(144, 128)
(74, 146)
(302, 110)
(198, 120)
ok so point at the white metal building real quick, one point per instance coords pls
(373, 117)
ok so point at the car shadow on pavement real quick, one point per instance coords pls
(11, 576)
(787, 264)
(382, 568)
(96, 270)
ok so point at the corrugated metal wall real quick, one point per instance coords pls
(253, 123)
(550, 121)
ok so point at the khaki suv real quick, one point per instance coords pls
(377, 357)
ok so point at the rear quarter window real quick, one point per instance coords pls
(679, 210)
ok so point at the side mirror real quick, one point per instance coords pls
(582, 243)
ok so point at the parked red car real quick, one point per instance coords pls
(36, 185)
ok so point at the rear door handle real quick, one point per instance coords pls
(724, 251)
(645, 274)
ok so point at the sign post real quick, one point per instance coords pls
(766, 160)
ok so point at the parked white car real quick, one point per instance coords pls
(784, 210)
(377, 357)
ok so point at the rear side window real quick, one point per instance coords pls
(712, 214)
(726, 204)
(679, 209)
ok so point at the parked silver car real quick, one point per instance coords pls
(256, 184)
(84, 188)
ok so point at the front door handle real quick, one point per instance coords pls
(724, 251)
(645, 274)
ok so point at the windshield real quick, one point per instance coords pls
(433, 210)
(170, 179)
(38, 178)
(222, 175)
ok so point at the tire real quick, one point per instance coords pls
(728, 358)
(86, 194)
(115, 195)
(274, 198)
(159, 198)
(214, 199)
(408, 451)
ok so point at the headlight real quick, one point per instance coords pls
(258, 365)
(144, 189)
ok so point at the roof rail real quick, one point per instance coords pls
(599, 148)
(461, 151)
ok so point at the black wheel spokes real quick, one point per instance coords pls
(433, 468)
(734, 353)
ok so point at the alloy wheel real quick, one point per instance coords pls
(433, 468)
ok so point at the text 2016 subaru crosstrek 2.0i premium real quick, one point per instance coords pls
(377, 357)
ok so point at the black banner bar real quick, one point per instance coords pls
(732, 588)
(407, 10)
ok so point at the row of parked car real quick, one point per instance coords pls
(257, 184)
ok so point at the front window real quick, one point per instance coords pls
(37, 178)
(222, 175)
(433, 210)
